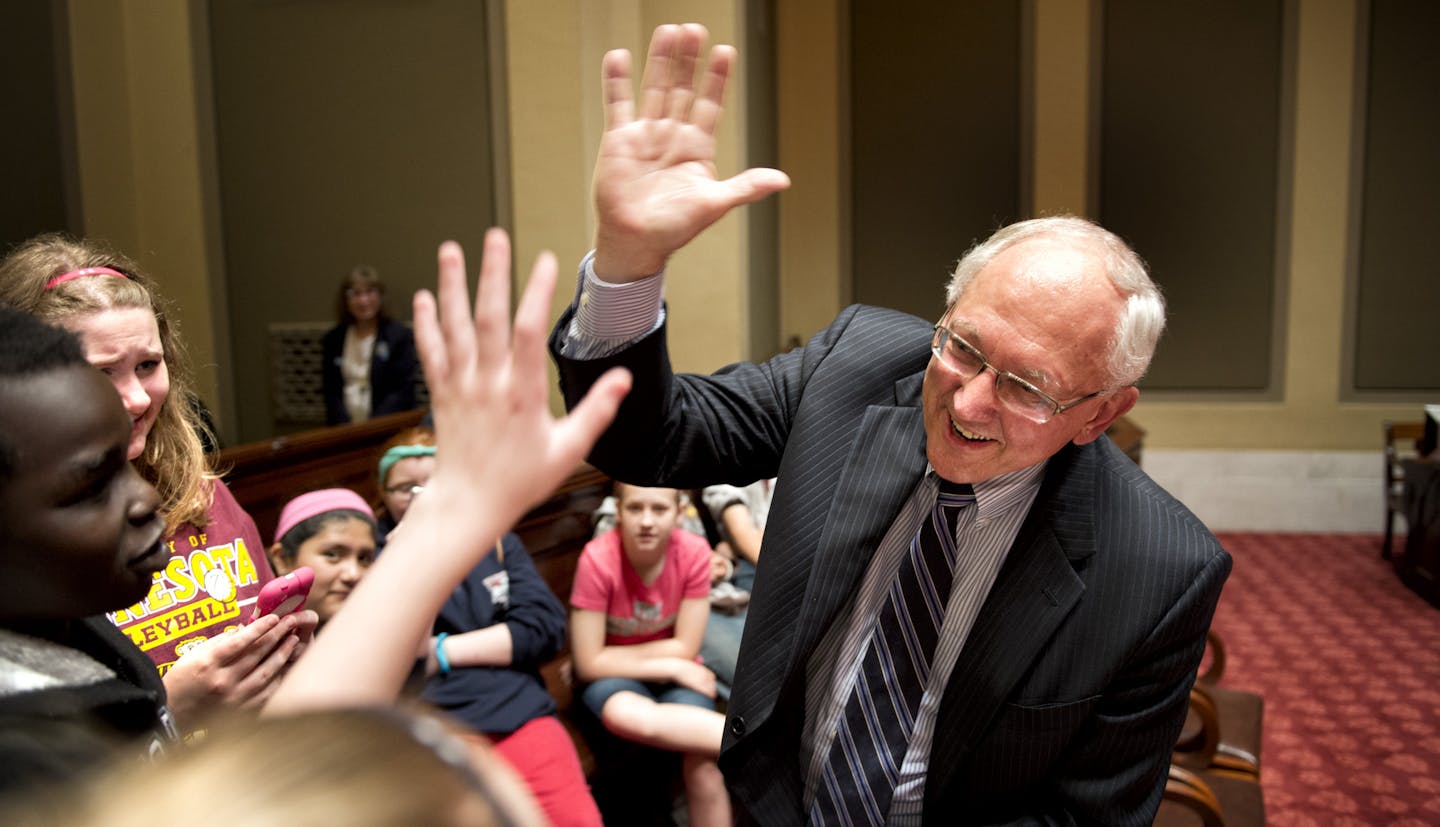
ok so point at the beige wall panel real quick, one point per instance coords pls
(140, 157)
(1310, 416)
(348, 134)
(1061, 106)
(814, 278)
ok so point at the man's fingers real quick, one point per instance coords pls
(615, 87)
(655, 80)
(682, 71)
(753, 184)
(705, 113)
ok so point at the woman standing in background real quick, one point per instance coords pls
(369, 358)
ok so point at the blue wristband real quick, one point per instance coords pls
(440, 653)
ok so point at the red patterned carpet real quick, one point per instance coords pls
(1348, 660)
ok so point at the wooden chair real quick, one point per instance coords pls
(1188, 800)
(1402, 441)
(1223, 727)
(1215, 768)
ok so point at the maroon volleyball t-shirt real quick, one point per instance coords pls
(208, 587)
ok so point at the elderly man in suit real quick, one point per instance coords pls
(970, 606)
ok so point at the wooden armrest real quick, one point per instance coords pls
(1241, 715)
(1190, 791)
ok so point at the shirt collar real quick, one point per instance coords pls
(998, 495)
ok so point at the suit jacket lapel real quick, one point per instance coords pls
(1036, 589)
(887, 458)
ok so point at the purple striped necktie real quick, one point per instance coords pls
(863, 765)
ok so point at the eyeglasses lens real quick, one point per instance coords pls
(965, 361)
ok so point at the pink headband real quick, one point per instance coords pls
(309, 505)
(82, 273)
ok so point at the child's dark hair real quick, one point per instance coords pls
(310, 526)
(29, 347)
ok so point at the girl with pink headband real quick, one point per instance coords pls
(332, 532)
(82, 273)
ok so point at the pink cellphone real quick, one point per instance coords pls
(284, 595)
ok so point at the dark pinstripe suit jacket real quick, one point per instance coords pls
(1073, 684)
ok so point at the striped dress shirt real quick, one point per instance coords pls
(983, 536)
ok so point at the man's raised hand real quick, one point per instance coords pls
(655, 180)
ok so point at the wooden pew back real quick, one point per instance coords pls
(265, 475)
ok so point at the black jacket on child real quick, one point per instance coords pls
(497, 700)
(68, 700)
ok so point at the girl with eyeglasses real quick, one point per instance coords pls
(483, 657)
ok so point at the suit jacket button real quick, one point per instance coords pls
(737, 726)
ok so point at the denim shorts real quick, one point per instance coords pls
(596, 694)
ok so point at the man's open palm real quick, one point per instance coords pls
(655, 180)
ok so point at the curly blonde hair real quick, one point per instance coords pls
(174, 458)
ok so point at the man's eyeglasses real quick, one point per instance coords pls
(1013, 392)
(405, 490)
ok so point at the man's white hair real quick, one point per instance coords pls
(1142, 320)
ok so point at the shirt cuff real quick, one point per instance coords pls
(610, 317)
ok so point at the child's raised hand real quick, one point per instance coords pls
(499, 452)
(498, 443)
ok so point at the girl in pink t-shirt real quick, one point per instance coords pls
(638, 610)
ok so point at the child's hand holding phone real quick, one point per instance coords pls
(285, 594)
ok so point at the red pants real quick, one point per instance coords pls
(542, 753)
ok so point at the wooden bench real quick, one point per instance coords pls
(265, 475)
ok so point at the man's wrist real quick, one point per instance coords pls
(616, 264)
(610, 316)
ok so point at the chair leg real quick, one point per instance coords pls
(1389, 534)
